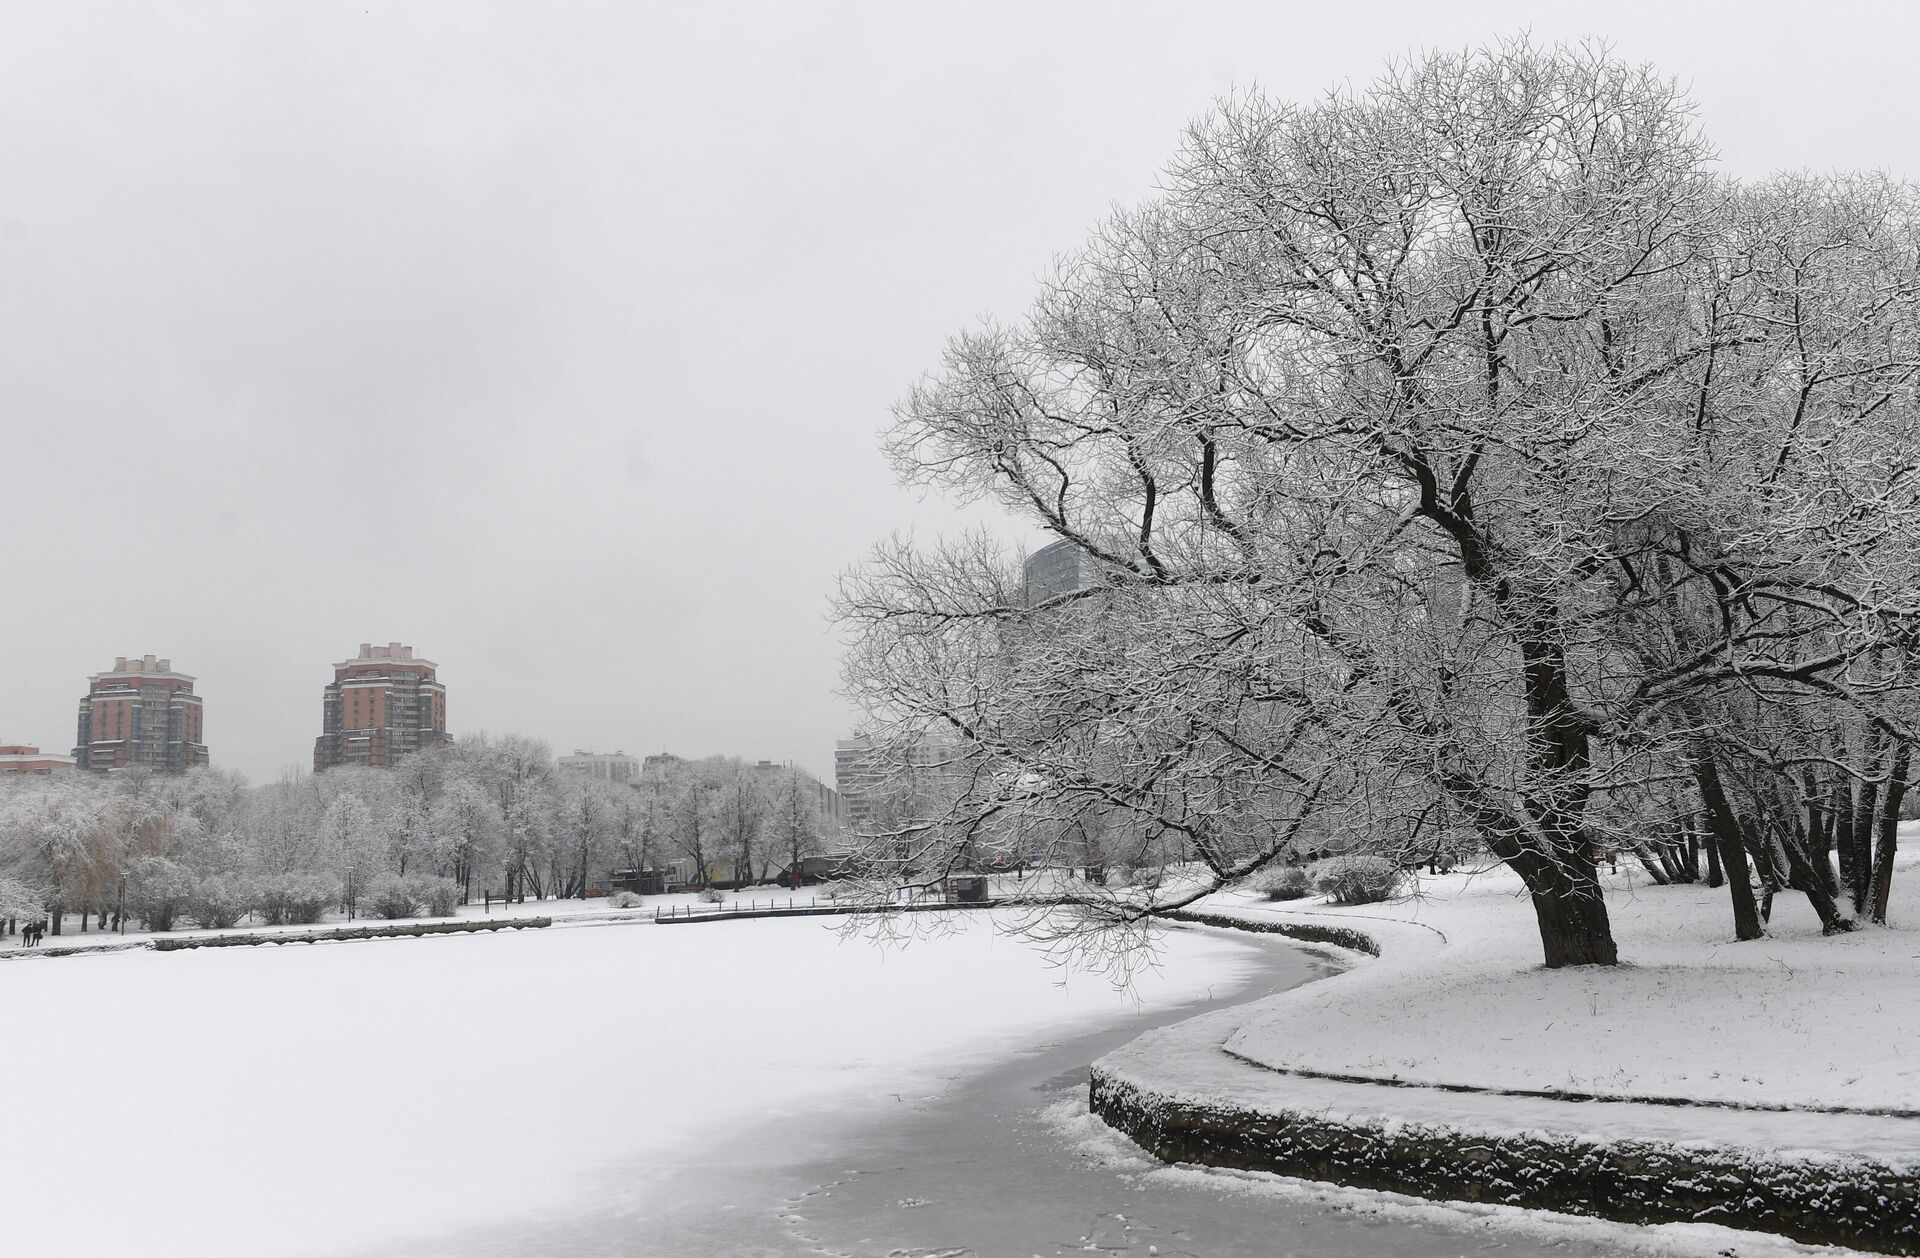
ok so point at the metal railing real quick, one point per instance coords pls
(812, 906)
(792, 904)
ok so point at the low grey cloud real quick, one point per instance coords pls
(555, 340)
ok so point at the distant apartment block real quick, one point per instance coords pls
(19, 758)
(1055, 570)
(915, 775)
(832, 806)
(381, 705)
(616, 768)
(140, 714)
(857, 773)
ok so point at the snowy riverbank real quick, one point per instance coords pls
(1778, 1076)
(1458, 997)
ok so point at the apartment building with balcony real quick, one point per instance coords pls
(140, 714)
(381, 705)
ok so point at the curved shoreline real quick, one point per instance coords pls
(1576, 1098)
(1181, 1095)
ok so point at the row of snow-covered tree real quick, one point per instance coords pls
(478, 816)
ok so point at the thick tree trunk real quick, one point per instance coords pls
(1574, 929)
(1823, 859)
(1887, 841)
(1816, 824)
(1686, 864)
(1567, 897)
(1765, 851)
(1715, 875)
(1841, 830)
(1883, 875)
(1661, 876)
(1568, 903)
(1724, 827)
(1819, 844)
(1804, 878)
(1856, 862)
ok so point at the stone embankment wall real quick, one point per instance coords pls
(1839, 1202)
(385, 930)
(850, 909)
(1823, 1199)
(1305, 932)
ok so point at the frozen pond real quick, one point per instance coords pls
(336, 1098)
(732, 1088)
(1002, 1161)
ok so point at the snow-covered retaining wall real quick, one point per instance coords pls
(1305, 932)
(385, 930)
(725, 914)
(1177, 1095)
(73, 950)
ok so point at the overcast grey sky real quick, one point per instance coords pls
(554, 338)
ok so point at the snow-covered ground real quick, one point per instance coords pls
(1460, 997)
(338, 1096)
(1478, 1227)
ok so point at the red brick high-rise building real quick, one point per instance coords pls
(140, 714)
(380, 705)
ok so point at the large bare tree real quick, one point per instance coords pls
(1411, 438)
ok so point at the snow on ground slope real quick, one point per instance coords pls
(311, 1099)
(1460, 997)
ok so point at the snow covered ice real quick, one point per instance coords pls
(326, 1099)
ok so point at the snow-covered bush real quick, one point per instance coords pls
(159, 891)
(297, 898)
(1148, 876)
(626, 900)
(220, 901)
(439, 897)
(390, 896)
(713, 895)
(19, 902)
(1357, 879)
(1283, 882)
